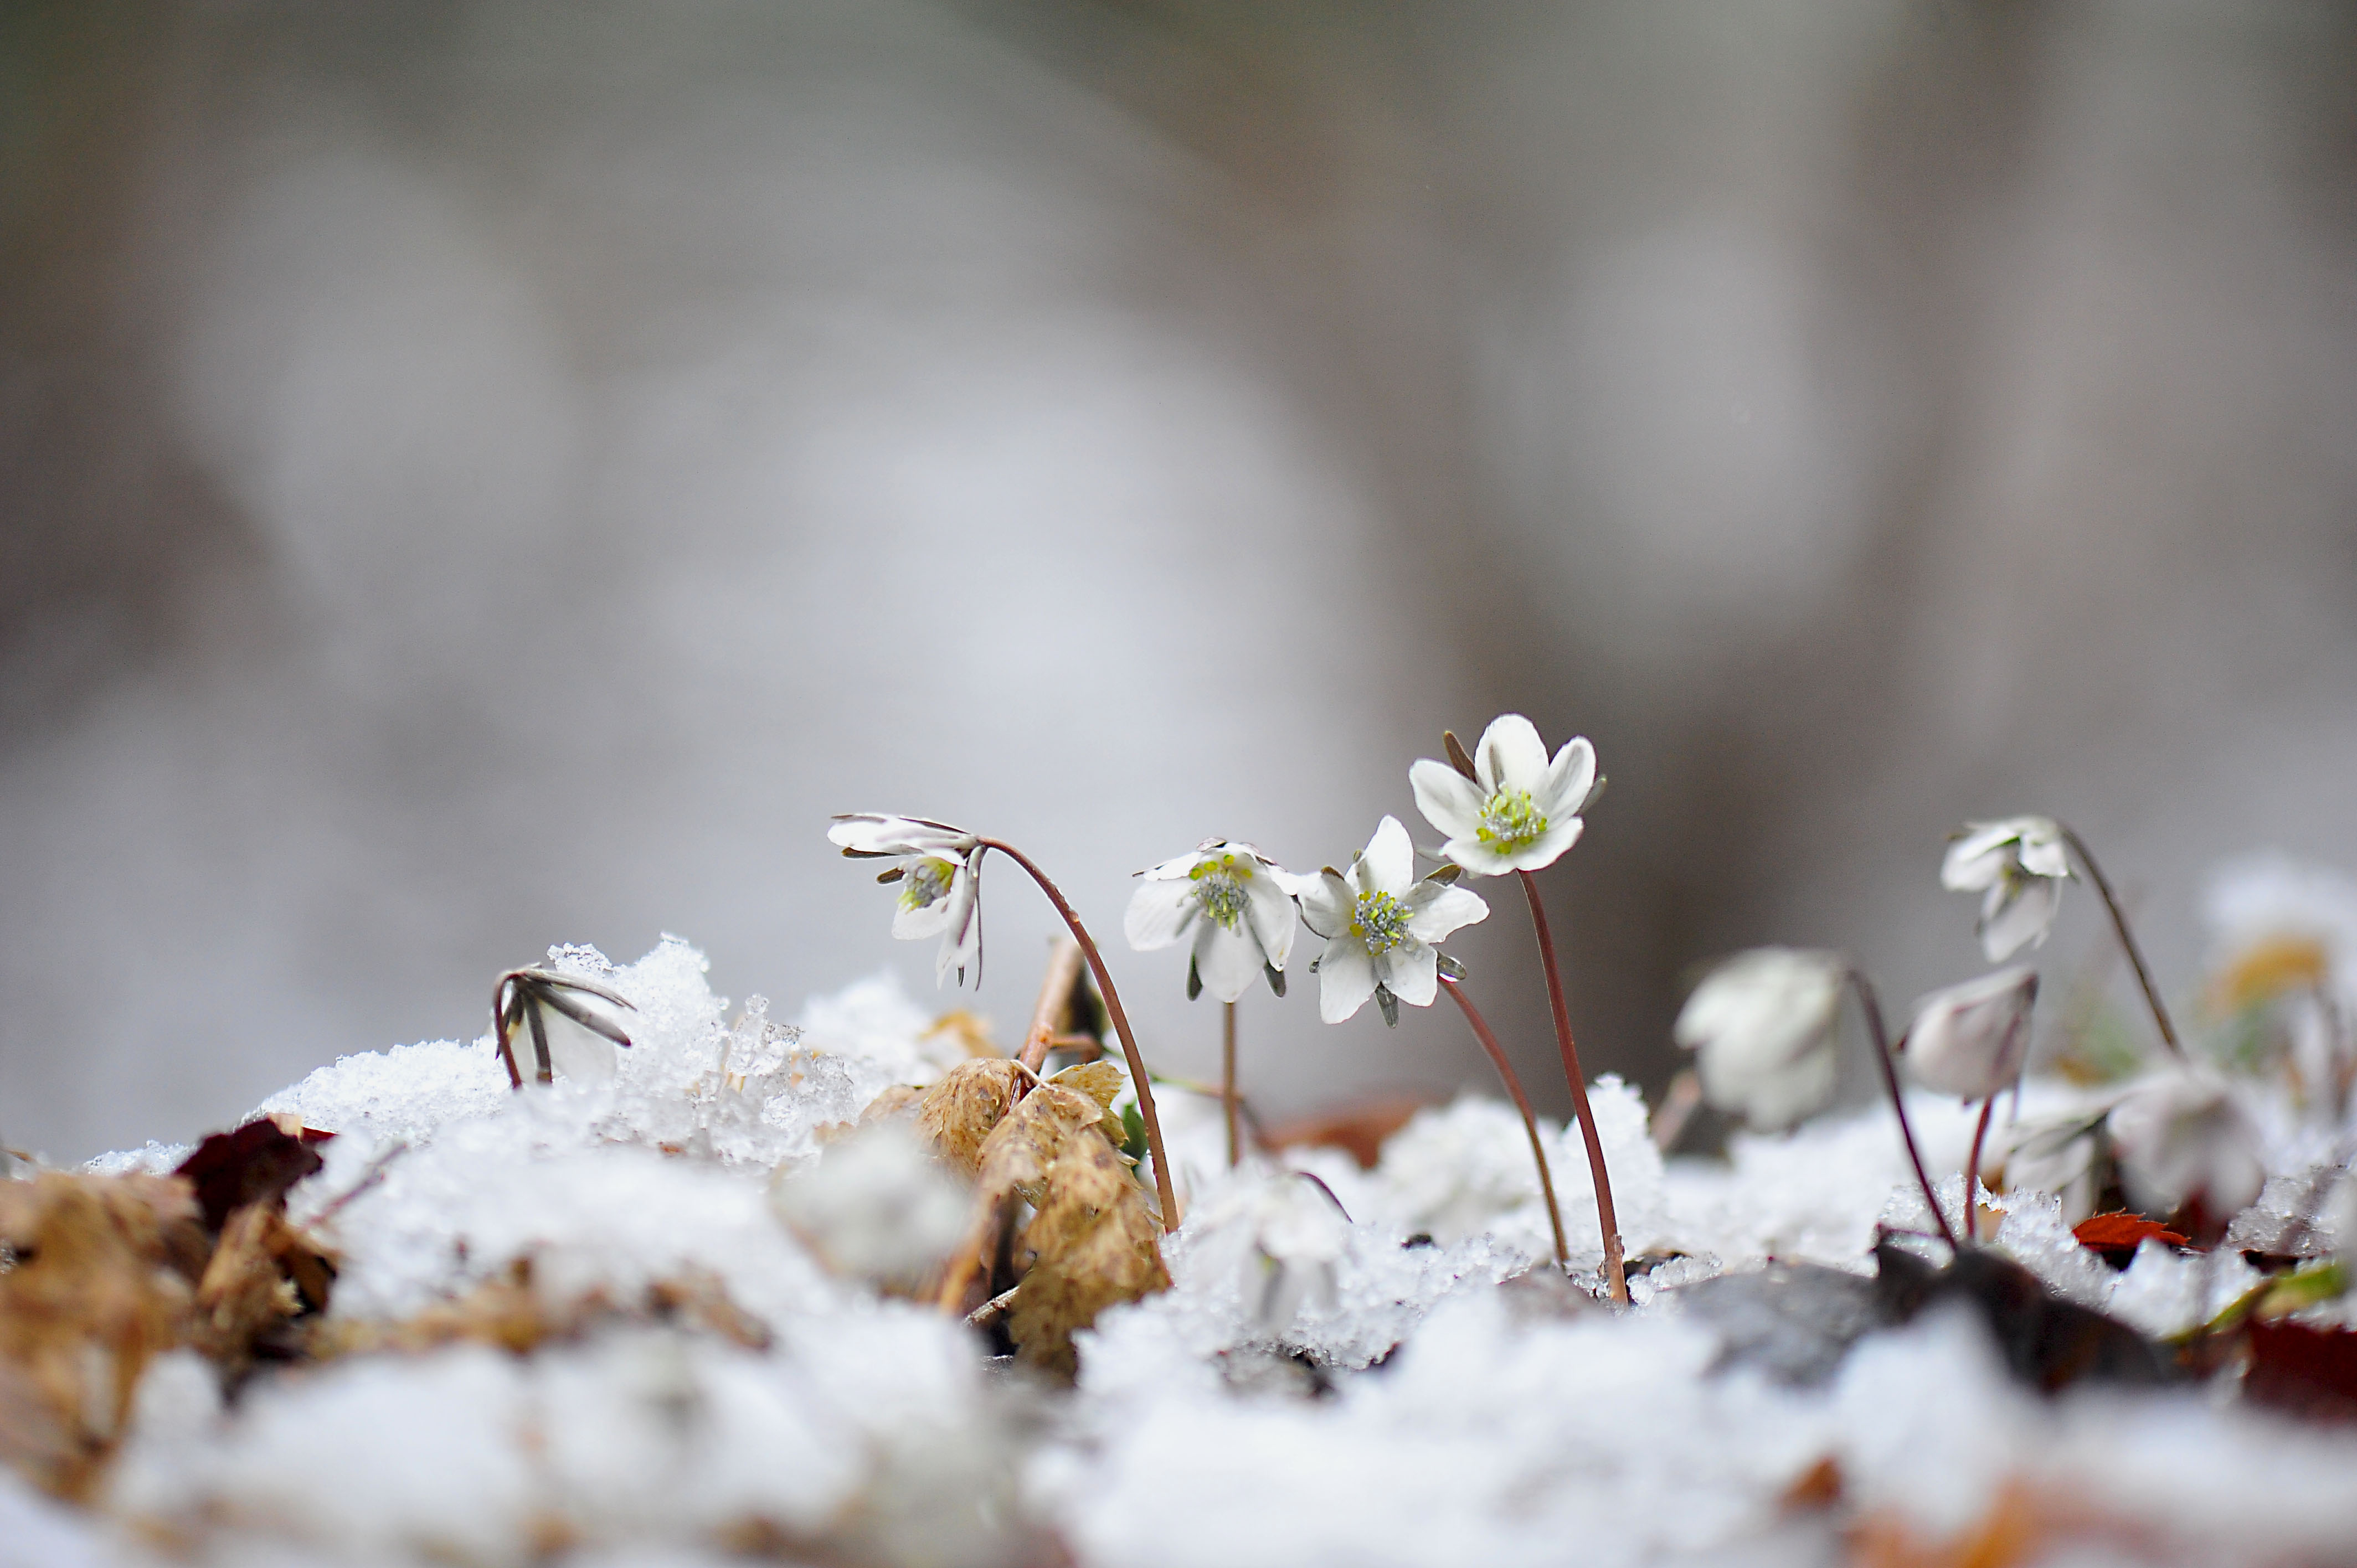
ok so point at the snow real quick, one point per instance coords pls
(1387, 1375)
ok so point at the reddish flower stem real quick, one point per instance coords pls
(1973, 1173)
(1880, 1040)
(1616, 1274)
(1138, 1075)
(2128, 938)
(1521, 1103)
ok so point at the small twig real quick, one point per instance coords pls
(369, 1176)
(1879, 1038)
(1048, 1014)
(2128, 938)
(987, 1313)
(1679, 1102)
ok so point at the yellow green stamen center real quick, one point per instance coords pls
(1219, 890)
(1378, 921)
(1511, 820)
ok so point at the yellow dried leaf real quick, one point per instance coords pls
(894, 1100)
(1103, 1082)
(1093, 1244)
(1017, 1155)
(958, 1113)
(263, 1273)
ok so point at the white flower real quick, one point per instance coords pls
(2018, 866)
(1971, 1040)
(2281, 927)
(1280, 1238)
(1763, 1023)
(1240, 903)
(1519, 810)
(1380, 924)
(549, 1024)
(2182, 1134)
(877, 1207)
(940, 895)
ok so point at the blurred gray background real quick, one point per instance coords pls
(480, 474)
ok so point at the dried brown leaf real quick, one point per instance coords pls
(253, 1164)
(896, 1102)
(1015, 1156)
(264, 1274)
(959, 1111)
(1093, 1244)
(98, 1283)
(1101, 1081)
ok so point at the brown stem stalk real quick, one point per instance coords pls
(1138, 1076)
(1521, 1103)
(2128, 938)
(1227, 1075)
(1973, 1173)
(1055, 1001)
(1616, 1274)
(1879, 1038)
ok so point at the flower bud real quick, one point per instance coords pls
(1763, 1023)
(1971, 1040)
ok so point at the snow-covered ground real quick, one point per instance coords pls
(1371, 1374)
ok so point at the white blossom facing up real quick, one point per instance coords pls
(1380, 925)
(1280, 1238)
(2182, 1134)
(1761, 1025)
(933, 867)
(1520, 811)
(1240, 906)
(2018, 866)
(1972, 1040)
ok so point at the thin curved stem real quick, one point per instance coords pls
(1973, 1173)
(1879, 1038)
(1521, 1103)
(1227, 1075)
(2127, 938)
(1616, 1274)
(1138, 1075)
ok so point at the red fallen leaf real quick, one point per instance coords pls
(1359, 1129)
(2115, 1235)
(256, 1164)
(2306, 1372)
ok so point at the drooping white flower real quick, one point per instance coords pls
(1519, 810)
(933, 864)
(1762, 1027)
(2018, 866)
(1970, 1040)
(1381, 924)
(547, 1025)
(2182, 1134)
(1240, 904)
(1281, 1238)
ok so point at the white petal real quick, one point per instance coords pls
(872, 833)
(1273, 914)
(2043, 851)
(1346, 978)
(1569, 778)
(1477, 857)
(1439, 909)
(1511, 755)
(1971, 1040)
(1411, 971)
(916, 923)
(1177, 868)
(1327, 903)
(1548, 847)
(1389, 863)
(1229, 961)
(1157, 914)
(961, 943)
(2021, 913)
(1450, 800)
(576, 1053)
